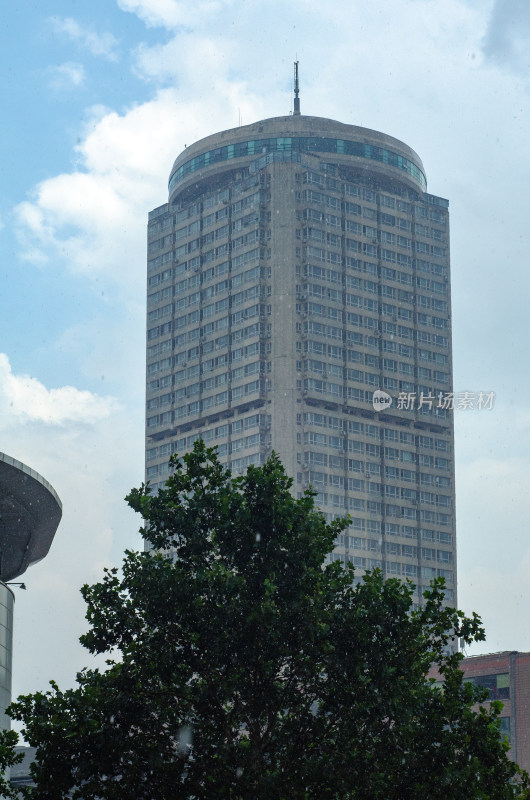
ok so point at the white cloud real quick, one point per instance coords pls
(92, 221)
(172, 14)
(26, 399)
(99, 44)
(69, 75)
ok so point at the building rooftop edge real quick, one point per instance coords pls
(297, 123)
(13, 462)
(30, 512)
(499, 653)
(300, 121)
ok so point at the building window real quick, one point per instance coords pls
(505, 728)
(498, 686)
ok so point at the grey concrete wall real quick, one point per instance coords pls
(7, 602)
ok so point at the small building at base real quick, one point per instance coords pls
(506, 676)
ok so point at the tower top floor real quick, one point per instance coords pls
(347, 145)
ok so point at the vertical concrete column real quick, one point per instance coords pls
(7, 601)
(283, 320)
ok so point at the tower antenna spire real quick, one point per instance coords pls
(296, 111)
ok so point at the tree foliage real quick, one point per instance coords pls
(242, 667)
(8, 758)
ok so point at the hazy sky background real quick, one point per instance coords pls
(98, 100)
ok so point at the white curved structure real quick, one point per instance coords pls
(30, 512)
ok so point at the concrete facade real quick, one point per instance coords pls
(299, 266)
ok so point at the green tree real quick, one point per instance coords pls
(8, 758)
(239, 666)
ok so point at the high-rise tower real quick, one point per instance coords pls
(298, 266)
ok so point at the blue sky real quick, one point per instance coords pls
(98, 100)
